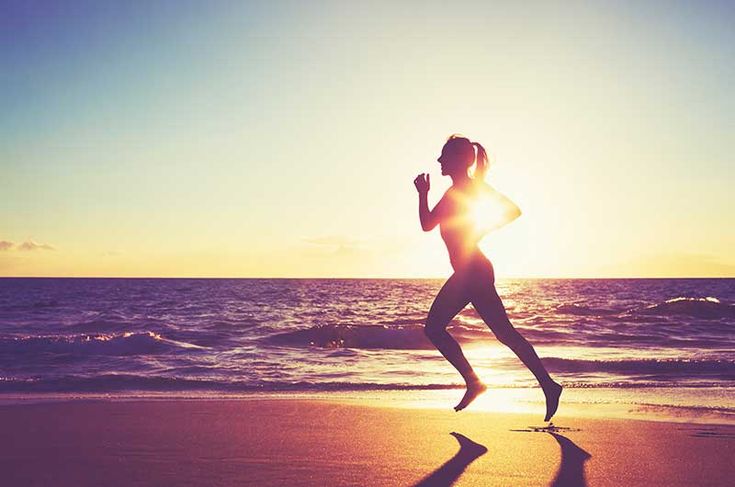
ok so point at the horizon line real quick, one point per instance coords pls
(360, 278)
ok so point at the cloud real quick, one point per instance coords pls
(5, 245)
(29, 245)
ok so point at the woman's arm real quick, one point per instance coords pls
(511, 209)
(428, 218)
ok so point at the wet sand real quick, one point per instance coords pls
(332, 442)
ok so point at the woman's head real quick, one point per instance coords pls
(458, 155)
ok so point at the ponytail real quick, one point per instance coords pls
(481, 165)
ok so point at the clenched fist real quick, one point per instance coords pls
(422, 183)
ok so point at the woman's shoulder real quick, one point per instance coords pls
(481, 187)
(449, 193)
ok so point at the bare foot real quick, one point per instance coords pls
(474, 389)
(552, 393)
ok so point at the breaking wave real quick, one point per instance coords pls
(696, 307)
(724, 369)
(405, 337)
(127, 343)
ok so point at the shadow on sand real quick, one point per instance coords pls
(570, 473)
(571, 469)
(448, 473)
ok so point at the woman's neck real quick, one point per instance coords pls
(461, 180)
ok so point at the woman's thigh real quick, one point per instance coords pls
(487, 302)
(450, 300)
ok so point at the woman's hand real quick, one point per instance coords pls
(422, 183)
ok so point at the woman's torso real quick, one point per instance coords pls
(458, 229)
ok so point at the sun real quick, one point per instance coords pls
(487, 212)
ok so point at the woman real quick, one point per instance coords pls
(467, 211)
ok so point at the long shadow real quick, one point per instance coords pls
(448, 473)
(571, 470)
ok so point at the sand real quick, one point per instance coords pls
(331, 442)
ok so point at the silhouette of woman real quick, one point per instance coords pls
(468, 210)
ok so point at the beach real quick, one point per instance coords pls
(332, 441)
(325, 382)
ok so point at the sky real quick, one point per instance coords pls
(281, 139)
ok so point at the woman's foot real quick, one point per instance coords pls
(552, 393)
(474, 389)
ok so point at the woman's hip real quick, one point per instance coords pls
(477, 271)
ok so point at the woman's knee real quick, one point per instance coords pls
(434, 328)
(507, 335)
(432, 333)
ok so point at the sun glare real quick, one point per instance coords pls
(487, 212)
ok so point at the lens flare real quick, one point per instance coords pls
(488, 213)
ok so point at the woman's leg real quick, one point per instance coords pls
(451, 299)
(488, 304)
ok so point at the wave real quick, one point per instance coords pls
(725, 369)
(402, 337)
(405, 321)
(127, 343)
(102, 323)
(148, 383)
(581, 310)
(708, 307)
(406, 337)
(132, 382)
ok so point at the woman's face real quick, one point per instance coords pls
(450, 161)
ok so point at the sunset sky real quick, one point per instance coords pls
(281, 139)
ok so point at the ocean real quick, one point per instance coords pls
(229, 336)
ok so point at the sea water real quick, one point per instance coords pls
(617, 337)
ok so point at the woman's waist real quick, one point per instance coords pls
(468, 259)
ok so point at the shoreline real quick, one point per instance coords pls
(575, 403)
